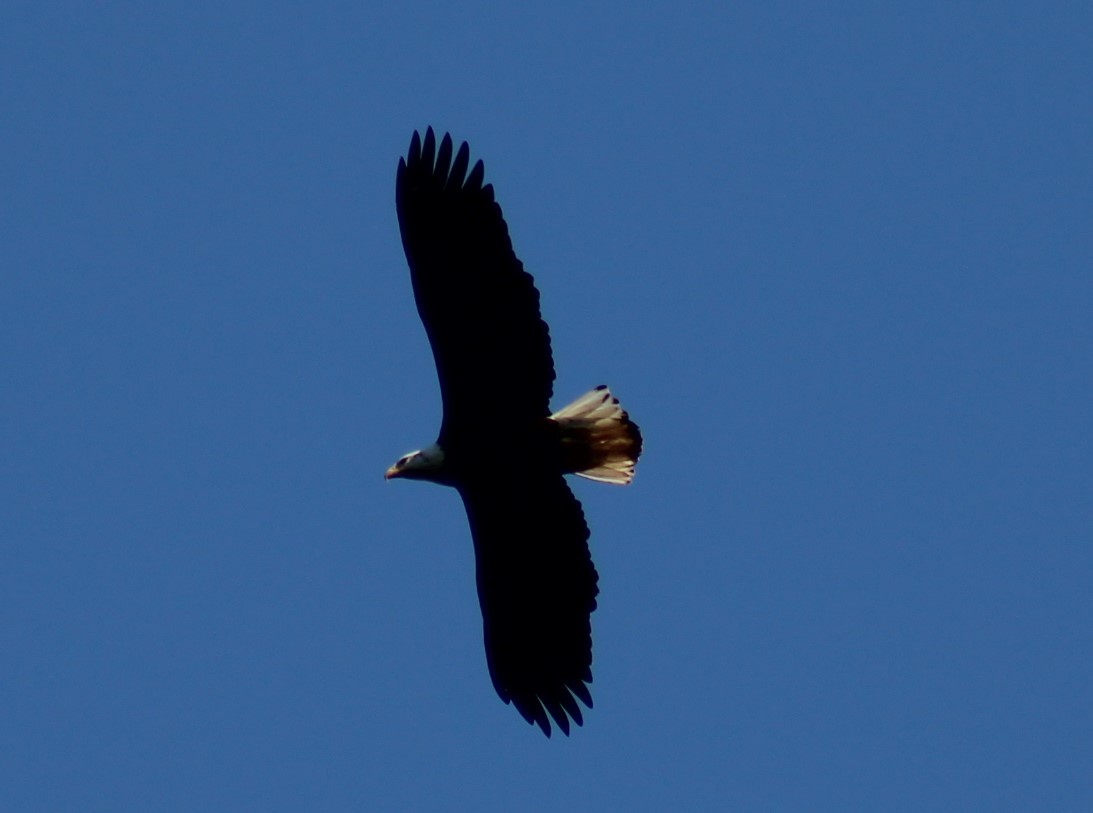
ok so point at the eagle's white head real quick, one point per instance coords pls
(428, 464)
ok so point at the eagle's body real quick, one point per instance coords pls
(499, 445)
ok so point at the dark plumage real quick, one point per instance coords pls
(499, 446)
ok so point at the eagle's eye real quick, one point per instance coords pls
(402, 461)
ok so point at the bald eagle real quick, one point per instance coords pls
(499, 445)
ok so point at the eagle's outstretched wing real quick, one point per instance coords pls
(537, 588)
(479, 307)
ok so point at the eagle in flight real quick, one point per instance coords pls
(499, 445)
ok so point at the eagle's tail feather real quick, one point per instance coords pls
(599, 441)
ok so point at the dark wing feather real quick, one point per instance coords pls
(537, 588)
(480, 308)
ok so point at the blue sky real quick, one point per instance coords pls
(834, 258)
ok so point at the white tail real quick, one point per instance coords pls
(599, 441)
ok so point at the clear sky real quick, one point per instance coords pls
(835, 258)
